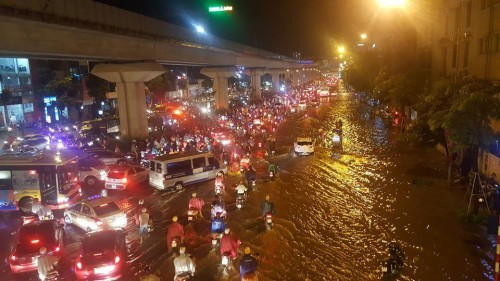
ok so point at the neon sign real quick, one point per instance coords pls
(220, 9)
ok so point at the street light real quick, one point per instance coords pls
(392, 3)
(199, 28)
(363, 36)
(341, 50)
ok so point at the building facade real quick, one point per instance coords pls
(463, 38)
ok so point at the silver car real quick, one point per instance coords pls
(121, 177)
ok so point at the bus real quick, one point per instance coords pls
(183, 168)
(50, 177)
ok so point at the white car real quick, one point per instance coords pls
(96, 213)
(304, 146)
(92, 171)
(324, 92)
(121, 177)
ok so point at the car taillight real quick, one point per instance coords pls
(13, 257)
(35, 241)
(79, 265)
(117, 259)
(269, 216)
(124, 180)
(98, 222)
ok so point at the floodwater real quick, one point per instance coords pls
(335, 212)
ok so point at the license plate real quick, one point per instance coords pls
(384, 269)
(214, 241)
(101, 270)
(190, 218)
(269, 221)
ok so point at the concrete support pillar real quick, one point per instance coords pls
(220, 76)
(221, 92)
(276, 80)
(129, 79)
(256, 83)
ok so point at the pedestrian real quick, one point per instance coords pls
(144, 222)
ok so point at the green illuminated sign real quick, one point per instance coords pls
(220, 9)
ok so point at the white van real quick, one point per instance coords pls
(304, 146)
(183, 168)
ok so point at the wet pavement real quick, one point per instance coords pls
(335, 212)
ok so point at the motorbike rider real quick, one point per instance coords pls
(218, 225)
(144, 222)
(217, 207)
(272, 168)
(138, 211)
(248, 264)
(46, 263)
(175, 229)
(219, 181)
(229, 243)
(267, 206)
(183, 263)
(196, 203)
(250, 175)
(241, 189)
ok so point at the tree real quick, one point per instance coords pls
(65, 90)
(462, 110)
(363, 70)
(97, 87)
(207, 83)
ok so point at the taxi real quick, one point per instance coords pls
(96, 213)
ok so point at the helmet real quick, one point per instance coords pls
(194, 194)
(147, 269)
(43, 251)
(227, 230)
(268, 197)
(247, 251)
(174, 218)
(141, 202)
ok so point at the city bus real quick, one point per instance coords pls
(183, 168)
(50, 177)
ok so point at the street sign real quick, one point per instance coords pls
(220, 9)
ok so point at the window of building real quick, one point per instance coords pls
(468, 19)
(457, 18)
(28, 107)
(466, 54)
(482, 45)
(484, 4)
(454, 57)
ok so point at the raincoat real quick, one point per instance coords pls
(196, 203)
(247, 264)
(241, 189)
(174, 230)
(229, 243)
(183, 263)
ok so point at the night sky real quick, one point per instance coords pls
(311, 27)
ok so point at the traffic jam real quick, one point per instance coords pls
(72, 197)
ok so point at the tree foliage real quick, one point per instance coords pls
(160, 84)
(97, 87)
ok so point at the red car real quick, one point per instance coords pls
(30, 238)
(102, 256)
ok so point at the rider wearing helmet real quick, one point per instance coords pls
(267, 206)
(241, 189)
(196, 203)
(229, 243)
(175, 229)
(248, 264)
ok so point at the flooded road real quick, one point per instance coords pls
(335, 213)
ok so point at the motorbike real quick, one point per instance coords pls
(272, 176)
(151, 228)
(183, 276)
(226, 261)
(216, 239)
(240, 200)
(394, 264)
(176, 242)
(192, 213)
(269, 221)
